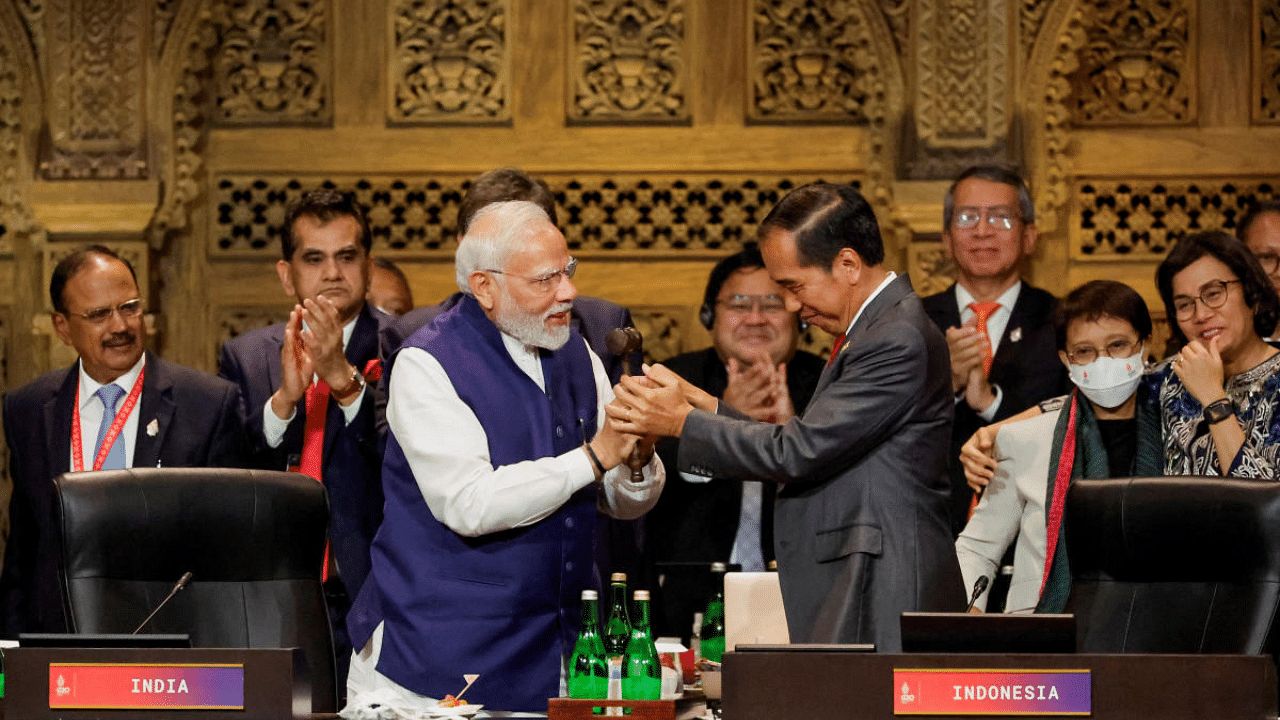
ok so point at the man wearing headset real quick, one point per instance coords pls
(754, 366)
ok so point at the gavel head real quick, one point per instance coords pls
(623, 342)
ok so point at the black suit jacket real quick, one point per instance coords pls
(196, 423)
(696, 523)
(352, 455)
(1025, 366)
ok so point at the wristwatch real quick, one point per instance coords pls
(354, 386)
(1219, 410)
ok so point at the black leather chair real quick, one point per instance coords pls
(1175, 565)
(252, 539)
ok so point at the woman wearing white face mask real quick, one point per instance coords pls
(1108, 427)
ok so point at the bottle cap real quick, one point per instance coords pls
(589, 595)
(718, 567)
(772, 566)
(641, 595)
(618, 577)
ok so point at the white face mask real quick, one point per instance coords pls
(1109, 382)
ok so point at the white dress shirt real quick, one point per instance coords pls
(273, 428)
(91, 415)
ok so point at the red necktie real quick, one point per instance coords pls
(313, 444)
(984, 310)
(835, 349)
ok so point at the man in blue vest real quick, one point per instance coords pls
(496, 466)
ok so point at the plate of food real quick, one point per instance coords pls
(451, 707)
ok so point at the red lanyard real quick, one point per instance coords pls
(77, 446)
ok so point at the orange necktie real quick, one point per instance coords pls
(984, 310)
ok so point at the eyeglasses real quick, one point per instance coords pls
(128, 310)
(743, 304)
(1213, 295)
(999, 217)
(1269, 261)
(548, 283)
(1085, 354)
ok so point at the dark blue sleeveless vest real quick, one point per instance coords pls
(504, 605)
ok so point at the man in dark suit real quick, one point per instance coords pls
(118, 407)
(860, 521)
(308, 402)
(754, 366)
(999, 329)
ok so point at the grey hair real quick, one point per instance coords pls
(992, 173)
(487, 245)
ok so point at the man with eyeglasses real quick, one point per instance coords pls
(497, 466)
(999, 328)
(753, 365)
(1260, 231)
(309, 405)
(119, 406)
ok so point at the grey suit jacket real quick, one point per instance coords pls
(860, 523)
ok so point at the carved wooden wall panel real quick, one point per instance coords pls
(629, 61)
(449, 61)
(813, 61)
(1266, 62)
(272, 63)
(1138, 64)
(1143, 218)
(94, 62)
(11, 139)
(611, 213)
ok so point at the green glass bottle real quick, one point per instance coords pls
(641, 670)
(588, 675)
(617, 629)
(713, 619)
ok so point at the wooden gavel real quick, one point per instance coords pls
(623, 342)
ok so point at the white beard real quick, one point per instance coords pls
(529, 329)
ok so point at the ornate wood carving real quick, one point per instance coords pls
(1138, 64)
(1266, 62)
(896, 14)
(1050, 119)
(930, 269)
(661, 329)
(162, 15)
(233, 321)
(272, 63)
(14, 215)
(95, 93)
(417, 215)
(1144, 218)
(1030, 18)
(450, 61)
(812, 60)
(629, 61)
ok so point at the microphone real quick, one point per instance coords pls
(979, 587)
(177, 588)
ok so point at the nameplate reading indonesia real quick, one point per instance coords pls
(139, 686)
(991, 692)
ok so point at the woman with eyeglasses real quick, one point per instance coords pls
(1218, 394)
(1107, 427)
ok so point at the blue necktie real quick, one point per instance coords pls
(746, 543)
(110, 394)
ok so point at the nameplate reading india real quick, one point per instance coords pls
(991, 692)
(140, 686)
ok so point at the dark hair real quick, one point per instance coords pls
(1259, 294)
(1102, 298)
(68, 266)
(325, 205)
(1256, 209)
(501, 185)
(748, 257)
(392, 268)
(1003, 174)
(825, 219)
